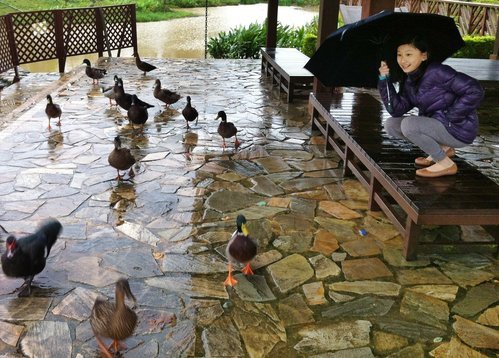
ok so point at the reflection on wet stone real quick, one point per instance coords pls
(334, 337)
(253, 288)
(24, 309)
(47, 339)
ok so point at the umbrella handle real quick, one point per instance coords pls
(389, 104)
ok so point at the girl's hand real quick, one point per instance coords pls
(383, 69)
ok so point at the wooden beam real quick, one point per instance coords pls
(371, 7)
(328, 22)
(272, 8)
(495, 52)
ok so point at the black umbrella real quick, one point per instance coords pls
(351, 55)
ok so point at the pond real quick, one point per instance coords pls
(184, 38)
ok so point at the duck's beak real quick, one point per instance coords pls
(244, 228)
(217, 118)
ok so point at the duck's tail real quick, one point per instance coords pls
(51, 228)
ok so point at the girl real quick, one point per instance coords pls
(446, 99)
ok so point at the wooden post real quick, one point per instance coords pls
(371, 7)
(495, 52)
(272, 8)
(60, 48)
(328, 22)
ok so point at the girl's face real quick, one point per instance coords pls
(410, 58)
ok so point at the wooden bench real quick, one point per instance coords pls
(352, 125)
(285, 65)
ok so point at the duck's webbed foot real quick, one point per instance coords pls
(25, 289)
(104, 350)
(247, 270)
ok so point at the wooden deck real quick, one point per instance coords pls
(352, 124)
(286, 66)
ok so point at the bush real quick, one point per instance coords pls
(245, 42)
(476, 47)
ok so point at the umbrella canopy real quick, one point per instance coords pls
(351, 55)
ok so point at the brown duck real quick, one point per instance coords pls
(241, 248)
(143, 66)
(164, 95)
(114, 320)
(190, 113)
(136, 113)
(227, 129)
(121, 158)
(94, 73)
(53, 110)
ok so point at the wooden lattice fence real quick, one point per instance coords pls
(27, 37)
(471, 18)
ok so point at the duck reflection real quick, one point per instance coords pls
(189, 141)
(55, 141)
(122, 198)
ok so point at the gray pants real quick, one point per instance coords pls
(425, 132)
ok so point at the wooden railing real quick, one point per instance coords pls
(471, 18)
(27, 37)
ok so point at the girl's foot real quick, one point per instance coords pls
(439, 169)
(425, 162)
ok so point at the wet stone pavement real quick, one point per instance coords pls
(320, 288)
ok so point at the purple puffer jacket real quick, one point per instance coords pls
(442, 93)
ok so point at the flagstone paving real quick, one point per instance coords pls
(321, 287)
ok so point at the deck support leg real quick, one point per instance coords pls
(348, 156)
(412, 232)
(374, 187)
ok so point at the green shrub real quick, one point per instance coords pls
(476, 47)
(309, 43)
(245, 42)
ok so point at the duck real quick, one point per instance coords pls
(227, 129)
(164, 95)
(136, 113)
(53, 110)
(110, 92)
(143, 66)
(114, 320)
(121, 158)
(26, 257)
(94, 73)
(190, 113)
(241, 249)
(124, 100)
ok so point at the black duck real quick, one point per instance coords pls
(121, 158)
(124, 100)
(227, 129)
(94, 73)
(190, 113)
(53, 110)
(137, 114)
(26, 257)
(241, 248)
(143, 66)
(114, 320)
(164, 95)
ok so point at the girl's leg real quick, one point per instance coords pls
(430, 135)
(392, 127)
